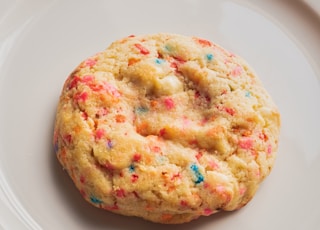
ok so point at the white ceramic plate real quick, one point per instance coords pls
(42, 41)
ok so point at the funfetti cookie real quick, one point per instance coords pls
(167, 128)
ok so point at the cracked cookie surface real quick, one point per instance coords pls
(167, 128)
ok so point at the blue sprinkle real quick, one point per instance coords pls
(199, 176)
(110, 144)
(141, 110)
(95, 200)
(159, 61)
(248, 94)
(209, 57)
(131, 168)
(56, 147)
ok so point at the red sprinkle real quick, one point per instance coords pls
(82, 179)
(204, 42)
(83, 96)
(142, 49)
(120, 193)
(230, 111)
(134, 178)
(67, 138)
(162, 132)
(137, 157)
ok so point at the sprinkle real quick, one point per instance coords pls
(82, 96)
(131, 168)
(207, 211)
(141, 110)
(56, 147)
(230, 111)
(209, 57)
(248, 94)
(203, 42)
(183, 203)
(82, 179)
(142, 49)
(120, 193)
(199, 155)
(169, 103)
(84, 115)
(236, 71)
(166, 217)
(132, 61)
(199, 177)
(137, 157)
(120, 118)
(110, 144)
(95, 200)
(99, 133)
(67, 138)
(242, 191)
(162, 132)
(159, 61)
(246, 143)
(90, 62)
(134, 178)
(269, 149)
(111, 90)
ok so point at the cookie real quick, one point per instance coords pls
(166, 127)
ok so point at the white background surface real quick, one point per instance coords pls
(42, 41)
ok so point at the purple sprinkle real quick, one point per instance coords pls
(56, 147)
(109, 144)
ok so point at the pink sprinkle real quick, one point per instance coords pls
(86, 79)
(207, 211)
(185, 121)
(99, 133)
(242, 191)
(120, 193)
(102, 112)
(269, 149)
(112, 90)
(90, 62)
(220, 189)
(246, 143)
(156, 149)
(142, 49)
(81, 96)
(169, 103)
(236, 71)
(213, 165)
